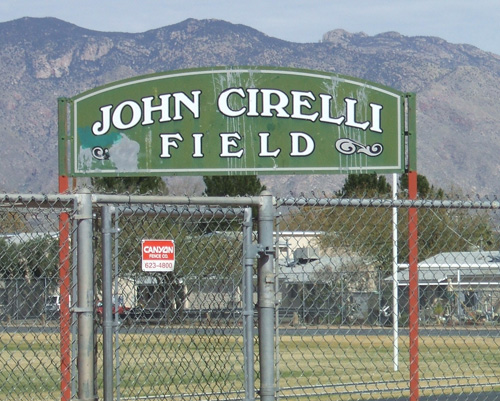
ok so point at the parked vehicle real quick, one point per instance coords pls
(53, 307)
(119, 309)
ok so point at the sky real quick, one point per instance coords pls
(474, 22)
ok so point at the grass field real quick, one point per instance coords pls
(351, 367)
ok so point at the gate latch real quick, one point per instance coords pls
(256, 251)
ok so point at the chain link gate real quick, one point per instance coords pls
(181, 334)
(341, 330)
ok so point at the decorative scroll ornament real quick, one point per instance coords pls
(347, 146)
(100, 153)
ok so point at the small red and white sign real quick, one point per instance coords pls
(158, 255)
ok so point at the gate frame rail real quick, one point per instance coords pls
(264, 252)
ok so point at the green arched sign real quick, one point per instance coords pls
(237, 120)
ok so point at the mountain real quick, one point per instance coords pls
(457, 88)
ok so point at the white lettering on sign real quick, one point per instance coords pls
(167, 141)
(274, 101)
(159, 249)
(259, 103)
(301, 144)
(299, 138)
(264, 146)
(228, 141)
(251, 102)
(145, 112)
(158, 255)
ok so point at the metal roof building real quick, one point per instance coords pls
(471, 268)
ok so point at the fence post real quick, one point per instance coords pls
(248, 259)
(413, 288)
(64, 292)
(107, 301)
(266, 300)
(85, 304)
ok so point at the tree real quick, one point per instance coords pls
(122, 185)
(424, 189)
(233, 185)
(331, 287)
(364, 185)
(7, 259)
(368, 230)
(31, 259)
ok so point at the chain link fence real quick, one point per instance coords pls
(344, 295)
(36, 330)
(341, 299)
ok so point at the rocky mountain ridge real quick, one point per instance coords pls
(457, 87)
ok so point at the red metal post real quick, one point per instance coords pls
(64, 292)
(413, 287)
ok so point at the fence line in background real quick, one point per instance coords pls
(322, 279)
